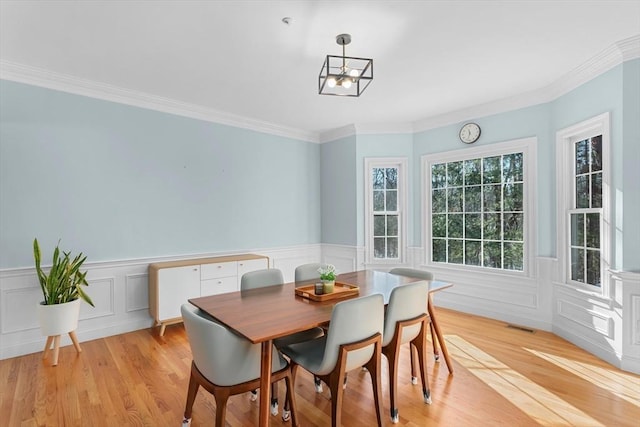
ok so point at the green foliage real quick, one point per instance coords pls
(65, 280)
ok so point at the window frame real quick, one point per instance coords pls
(402, 164)
(528, 146)
(566, 199)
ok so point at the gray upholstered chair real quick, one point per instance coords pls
(422, 275)
(309, 271)
(406, 321)
(354, 340)
(273, 277)
(226, 364)
(304, 273)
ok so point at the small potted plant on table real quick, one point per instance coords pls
(62, 291)
(328, 277)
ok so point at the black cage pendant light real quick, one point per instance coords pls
(344, 75)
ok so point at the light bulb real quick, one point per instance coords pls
(354, 73)
(346, 83)
(331, 82)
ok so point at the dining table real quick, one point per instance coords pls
(264, 314)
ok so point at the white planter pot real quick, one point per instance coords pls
(58, 319)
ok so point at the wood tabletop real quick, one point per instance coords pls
(275, 311)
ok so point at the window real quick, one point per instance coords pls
(477, 208)
(385, 201)
(582, 171)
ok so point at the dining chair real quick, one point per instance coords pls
(308, 271)
(353, 340)
(226, 364)
(273, 277)
(405, 321)
(422, 275)
(303, 273)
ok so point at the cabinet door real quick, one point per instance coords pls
(221, 285)
(175, 286)
(248, 265)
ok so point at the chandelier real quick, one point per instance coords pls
(344, 75)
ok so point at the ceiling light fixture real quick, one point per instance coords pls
(344, 75)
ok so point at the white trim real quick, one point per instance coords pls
(66, 83)
(402, 164)
(624, 50)
(566, 195)
(528, 146)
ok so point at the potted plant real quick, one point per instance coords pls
(328, 277)
(62, 292)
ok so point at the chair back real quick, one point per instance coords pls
(352, 321)
(221, 356)
(406, 302)
(308, 271)
(412, 272)
(261, 279)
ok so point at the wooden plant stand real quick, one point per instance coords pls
(55, 339)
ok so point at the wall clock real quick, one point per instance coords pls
(469, 133)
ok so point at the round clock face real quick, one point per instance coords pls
(469, 133)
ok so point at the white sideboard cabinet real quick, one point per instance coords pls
(172, 283)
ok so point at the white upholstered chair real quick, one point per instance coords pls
(309, 271)
(406, 321)
(354, 340)
(422, 275)
(226, 364)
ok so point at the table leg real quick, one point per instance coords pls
(265, 383)
(436, 327)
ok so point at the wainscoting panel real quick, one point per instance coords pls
(137, 292)
(119, 291)
(587, 318)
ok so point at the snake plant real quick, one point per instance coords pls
(65, 280)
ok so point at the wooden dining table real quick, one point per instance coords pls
(264, 314)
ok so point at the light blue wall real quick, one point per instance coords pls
(119, 182)
(522, 123)
(339, 191)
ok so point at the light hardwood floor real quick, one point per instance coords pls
(503, 376)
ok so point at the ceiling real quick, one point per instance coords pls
(238, 57)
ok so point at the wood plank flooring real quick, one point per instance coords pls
(503, 377)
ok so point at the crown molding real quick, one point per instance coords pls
(63, 82)
(609, 58)
(334, 134)
(624, 50)
(366, 129)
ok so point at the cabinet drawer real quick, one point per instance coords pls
(220, 285)
(219, 269)
(248, 265)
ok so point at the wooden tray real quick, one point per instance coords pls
(340, 290)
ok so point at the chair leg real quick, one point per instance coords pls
(274, 398)
(420, 344)
(374, 368)
(289, 409)
(336, 389)
(414, 375)
(392, 352)
(221, 398)
(191, 397)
